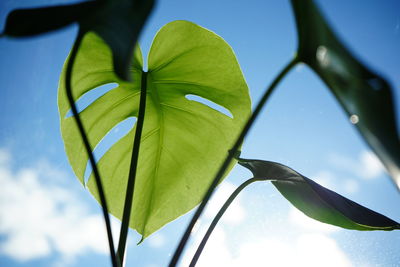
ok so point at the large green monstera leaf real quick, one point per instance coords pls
(183, 141)
(366, 97)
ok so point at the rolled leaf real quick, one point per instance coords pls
(118, 22)
(366, 97)
(178, 133)
(316, 201)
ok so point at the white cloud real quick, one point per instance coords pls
(311, 246)
(371, 167)
(320, 250)
(215, 253)
(234, 214)
(156, 240)
(326, 179)
(367, 166)
(351, 186)
(39, 216)
(330, 181)
(307, 249)
(299, 219)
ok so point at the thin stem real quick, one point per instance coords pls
(103, 202)
(218, 217)
(227, 162)
(132, 171)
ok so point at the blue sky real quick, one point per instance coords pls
(48, 219)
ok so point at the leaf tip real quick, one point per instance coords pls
(140, 241)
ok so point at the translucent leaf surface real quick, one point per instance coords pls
(366, 97)
(118, 22)
(183, 141)
(316, 201)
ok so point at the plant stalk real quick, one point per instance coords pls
(218, 217)
(132, 171)
(228, 159)
(103, 202)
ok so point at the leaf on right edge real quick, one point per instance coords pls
(316, 201)
(365, 96)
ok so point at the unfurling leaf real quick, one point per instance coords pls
(118, 22)
(316, 201)
(183, 141)
(366, 97)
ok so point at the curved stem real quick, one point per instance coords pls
(227, 161)
(218, 217)
(132, 171)
(103, 202)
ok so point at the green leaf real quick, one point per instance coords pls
(366, 97)
(183, 141)
(29, 22)
(118, 22)
(316, 201)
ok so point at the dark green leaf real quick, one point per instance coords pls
(366, 97)
(28, 22)
(118, 22)
(178, 133)
(316, 201)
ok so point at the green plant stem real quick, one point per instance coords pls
(103, 202)
(228, 160)
(132, 171)
(218, 217)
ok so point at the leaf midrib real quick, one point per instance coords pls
(158, 107)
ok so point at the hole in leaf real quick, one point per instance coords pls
(210, 104)
(112, 137)
(91, 96)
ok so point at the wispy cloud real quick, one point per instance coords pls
(312, 245)
(307, 249)
(156, 240)
(235, 213)
(40, 216)
(305, 223)
(366, 166)
(339, 184)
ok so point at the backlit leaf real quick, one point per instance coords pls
(316, 201)
(183, 141)
(366, 97)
